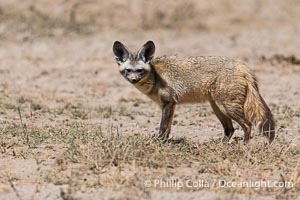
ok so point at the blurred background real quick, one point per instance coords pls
(51, 18)
(64, 47)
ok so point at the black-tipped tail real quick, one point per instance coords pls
(267, 125)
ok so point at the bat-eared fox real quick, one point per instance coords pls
(229, 86)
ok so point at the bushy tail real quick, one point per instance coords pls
(257, 111)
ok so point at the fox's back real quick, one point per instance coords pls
(194, 76)
(200, 65)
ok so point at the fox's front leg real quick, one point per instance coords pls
(166, 120)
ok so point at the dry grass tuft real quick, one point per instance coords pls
(93, 156)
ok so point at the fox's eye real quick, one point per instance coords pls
(139, 71)
(128, 70)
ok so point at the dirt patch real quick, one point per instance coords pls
(83, 157)
(72, 128)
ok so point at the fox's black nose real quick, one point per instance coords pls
(134, 80)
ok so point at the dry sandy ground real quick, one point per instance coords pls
(51, 86)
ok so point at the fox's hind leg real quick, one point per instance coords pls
(225, 121)
(246, 126)
(236, 112)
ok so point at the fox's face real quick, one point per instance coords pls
(134, 66)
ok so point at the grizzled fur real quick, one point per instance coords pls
(229, 86)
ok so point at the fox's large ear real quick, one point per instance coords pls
(120, 51)
(146, 53)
